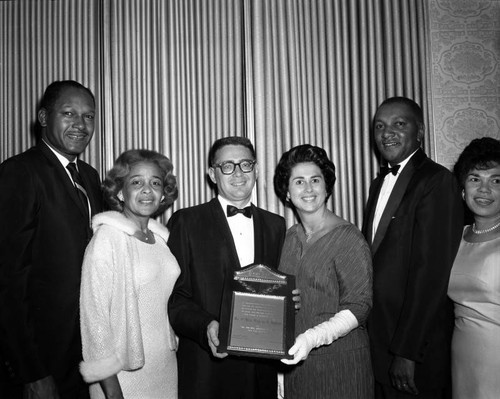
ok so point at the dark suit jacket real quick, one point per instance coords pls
(43, 236)
(413, 252)
(201, 241)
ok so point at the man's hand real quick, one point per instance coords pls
(213, 338)
(296, 299)
(44, 388)
(401, 373)
(111, 387)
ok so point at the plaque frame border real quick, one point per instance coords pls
(283, 285)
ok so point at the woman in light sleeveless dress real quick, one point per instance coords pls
(475, 278)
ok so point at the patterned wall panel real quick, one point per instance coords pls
(465, 74)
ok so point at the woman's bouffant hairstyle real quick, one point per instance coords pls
(300, 154)
(115, 178)
(481, 154)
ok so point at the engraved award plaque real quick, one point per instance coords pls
(258, 313)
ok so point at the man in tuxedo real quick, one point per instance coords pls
(45, 210)
(413, 221)
(210, 242)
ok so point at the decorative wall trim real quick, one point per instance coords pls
(465, 74)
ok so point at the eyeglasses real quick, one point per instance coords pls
(228, 167)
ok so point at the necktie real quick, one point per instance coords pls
(80, 190)
(385, 170)
(232, 210)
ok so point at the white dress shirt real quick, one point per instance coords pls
(243, 233)
(385, 192)
(64, 161)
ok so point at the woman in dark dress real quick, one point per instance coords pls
(332, 264)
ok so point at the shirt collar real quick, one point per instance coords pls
(224, 203)
(403, 163)
(64, 161)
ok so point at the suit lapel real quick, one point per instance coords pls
(221, 225)
(63, 176)
(395, 198)
(370, 206)
(258, 235)
(87, 184)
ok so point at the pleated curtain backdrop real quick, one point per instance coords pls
(42, 41)
(174, 75)
(320, 68)
(173, 82)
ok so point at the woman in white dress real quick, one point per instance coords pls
(127, 277)
(475, 278)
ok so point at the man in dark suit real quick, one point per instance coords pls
(45, 211)
(413, 221)
(210, 243)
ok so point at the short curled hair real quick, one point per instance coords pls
(415, 108)
(482, 153)
(116, 176)
(300, 154)
(53, 92)
(231, 140)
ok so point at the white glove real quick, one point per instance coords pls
(322, 334)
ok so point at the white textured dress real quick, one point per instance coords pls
(126, 285)
(475, 290)
(154, 282)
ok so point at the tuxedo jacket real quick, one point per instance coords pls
(201, 241)
(413, 251)
(43, 235)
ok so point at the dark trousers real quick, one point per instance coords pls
(11, 391)
(388, 392)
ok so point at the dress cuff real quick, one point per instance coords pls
(97, 370)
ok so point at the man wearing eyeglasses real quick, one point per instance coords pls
(210, 242)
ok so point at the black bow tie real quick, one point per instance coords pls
(385, 170)
(232, 210)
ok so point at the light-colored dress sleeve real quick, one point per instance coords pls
(100, 359)
(110, 322)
